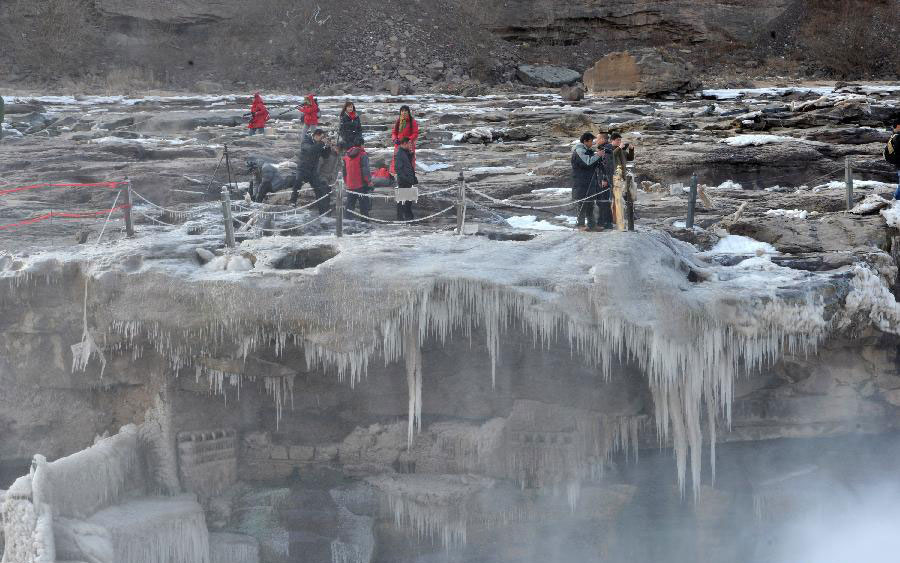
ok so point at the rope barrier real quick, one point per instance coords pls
(286, 212)
(62, 215)
(38, 186)
(154, 219)
(285, 229)
(400, 222)
(507, 203)
(161, 208)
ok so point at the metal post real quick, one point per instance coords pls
(629, 202)
(339, 208)
(461, 205)
(228, 166)
(226, 213)
(848, 178)
(129, 223)
(692, 203)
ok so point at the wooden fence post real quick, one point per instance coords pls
(461, 205)
(848, 178)
(226, 214)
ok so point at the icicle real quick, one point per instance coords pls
(413, 355)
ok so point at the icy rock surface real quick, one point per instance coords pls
(620, 297)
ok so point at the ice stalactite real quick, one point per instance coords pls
(432, 507)
(413, 358)
(158, 441)
(82, 351)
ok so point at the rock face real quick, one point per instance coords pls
(171, 11)
(641, 72)
(549, 76)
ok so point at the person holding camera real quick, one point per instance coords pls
(313, 148)
(623, 152)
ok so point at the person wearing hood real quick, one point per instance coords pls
(357, 180)
(406, 127)
(312, 149)
(588, 179)
(310, 111)
(259, 115)
(406, 177)
(350, 128)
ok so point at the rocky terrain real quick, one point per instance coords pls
(524, 392)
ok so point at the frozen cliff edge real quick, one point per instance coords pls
(691, 327)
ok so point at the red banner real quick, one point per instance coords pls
(37, 186)
(62, 215)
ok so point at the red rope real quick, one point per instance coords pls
(36, 186)
(63, 215)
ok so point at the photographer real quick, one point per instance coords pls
(313, 148)
(623, 153)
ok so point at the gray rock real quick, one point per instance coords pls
(572, 93)
(547, 76)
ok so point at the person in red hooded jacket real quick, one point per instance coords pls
(310, 111)
(259, 115)
(405, 128)
(358, 180)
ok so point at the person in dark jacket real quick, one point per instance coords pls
(605, 151)
(406, 177)
(357, 180)
(892, 153)
(588, 177)
(312, 149)
(381, 176)
(350, 128)
(268, 178)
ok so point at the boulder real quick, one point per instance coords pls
(547, 76)
(572, 93)
(640, 72)
(397, 87)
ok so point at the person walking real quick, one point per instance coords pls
(357, 180)
(312, 149)
(350, 131)
(587, 177)
(406, 178)
(406, 127)
(892, 153)
(259, 115)
(310, 110)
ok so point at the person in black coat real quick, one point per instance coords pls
(311, 150)
(350, 128)
(588, 181)
(406, 177)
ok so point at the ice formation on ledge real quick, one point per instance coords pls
(621, 299)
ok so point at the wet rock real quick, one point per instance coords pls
(572, 93)
(850, 136)
(640, 72)
(117, 123)
(547, 76)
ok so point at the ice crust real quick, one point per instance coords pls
(620, 298)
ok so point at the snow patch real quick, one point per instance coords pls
(738, 244)
(788, 213)
(432, 167)
(531, 222)
(756, 140)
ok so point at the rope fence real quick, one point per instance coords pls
(484, 202)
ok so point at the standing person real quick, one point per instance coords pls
(892, 153)
(604, 199)
(350, 127)
(259, 115)
(310, 111)
(406, 177)
(406, 127)
(621, 155)
(311, 150)
(587, 176)
(357, 179)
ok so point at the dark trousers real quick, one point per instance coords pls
(320, 188)
(263, 190)
(604, 214)
(586, 214)
(404, 210)
(365, 203)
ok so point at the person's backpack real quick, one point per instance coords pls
(891, 149)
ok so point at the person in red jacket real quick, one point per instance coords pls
(310, 111)
(381, 177)
(357, 180)
(405, 128)
(259, 115)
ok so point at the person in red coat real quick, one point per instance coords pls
(358, 180)
(405, 128)
(310, 111)
(259, 115)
